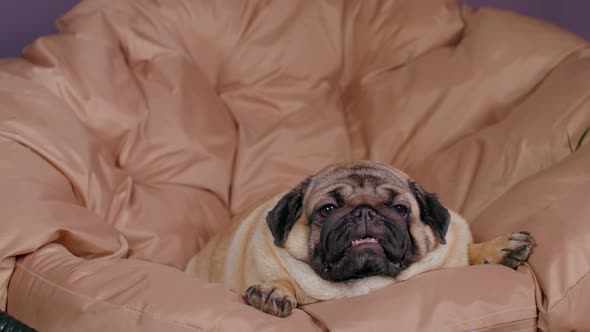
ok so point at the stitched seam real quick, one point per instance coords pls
(152, 315)
(496, 313)
(507, 324)
(566, 294)
(527, 329)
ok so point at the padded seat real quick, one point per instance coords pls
(136, 132)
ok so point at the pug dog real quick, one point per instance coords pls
(349, 229)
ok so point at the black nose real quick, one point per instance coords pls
(364, 213)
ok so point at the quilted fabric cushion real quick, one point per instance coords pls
(134, 134)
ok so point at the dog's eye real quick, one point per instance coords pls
(401, 209)
(325, 210)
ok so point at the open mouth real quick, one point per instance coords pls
(366, 240)
(358, 244)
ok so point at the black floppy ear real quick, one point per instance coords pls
(285, 214)
(432, 212)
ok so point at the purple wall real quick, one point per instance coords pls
(21, 21)
(573, 15)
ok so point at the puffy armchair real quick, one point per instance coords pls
(135, 133)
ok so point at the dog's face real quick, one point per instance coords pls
(361, 219)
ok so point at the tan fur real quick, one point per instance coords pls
(510, 250)
(246, 259)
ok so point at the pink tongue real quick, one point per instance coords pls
(366, 240)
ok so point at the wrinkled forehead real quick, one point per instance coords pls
(359, 175)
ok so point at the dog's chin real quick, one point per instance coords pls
(359, 261)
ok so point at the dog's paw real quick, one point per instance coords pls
(272, 299)
(516, 249)
(511, 250)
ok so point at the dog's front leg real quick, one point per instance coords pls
(511, 250)
(276, 298)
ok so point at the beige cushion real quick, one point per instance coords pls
(134, 134)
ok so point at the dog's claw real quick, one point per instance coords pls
(270, 299)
